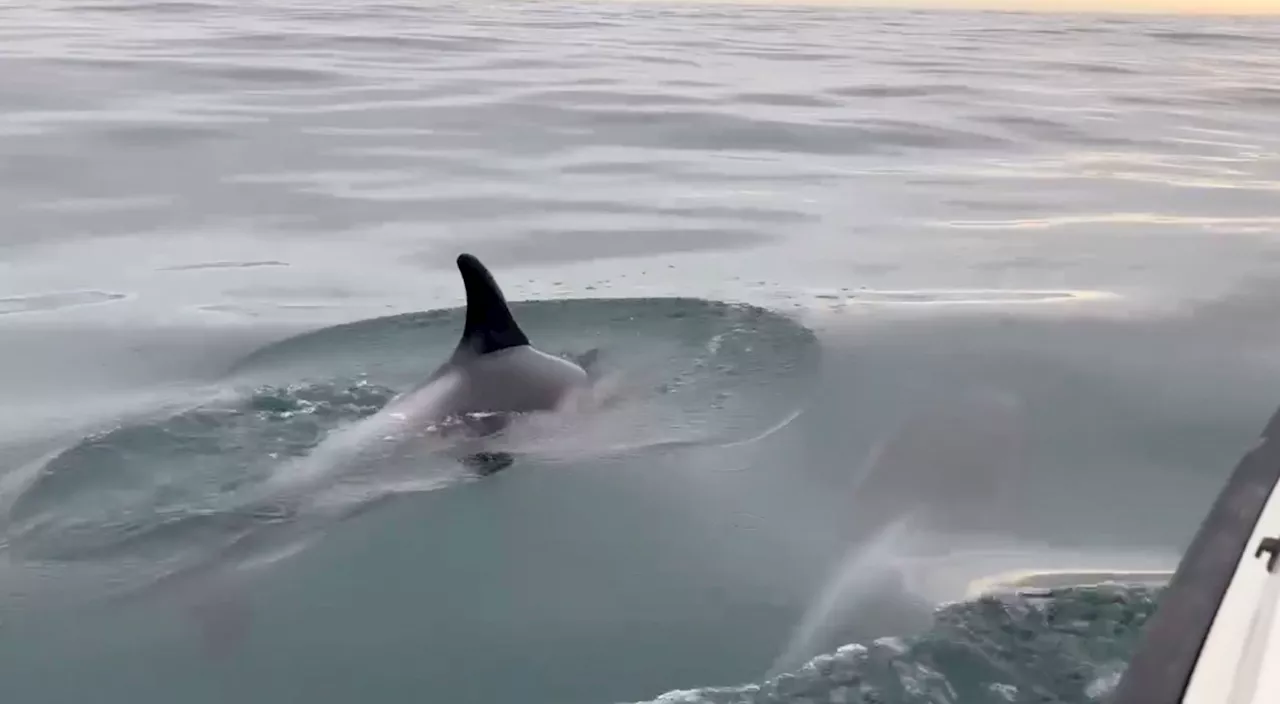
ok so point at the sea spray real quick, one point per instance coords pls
(860, 573)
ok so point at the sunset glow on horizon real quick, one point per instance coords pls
(1178, 6)
(1205, 7)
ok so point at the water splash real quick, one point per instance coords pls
(865, 568)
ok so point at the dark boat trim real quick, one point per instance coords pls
(1175, 634)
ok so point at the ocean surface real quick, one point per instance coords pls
(884, 302)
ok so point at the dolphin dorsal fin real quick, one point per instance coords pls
(490, 326)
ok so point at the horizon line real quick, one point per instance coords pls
(1143, 8)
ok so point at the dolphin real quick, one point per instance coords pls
(493, 372)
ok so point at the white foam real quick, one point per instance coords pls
(977, 565)
(1032, 579)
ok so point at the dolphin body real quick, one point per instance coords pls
(494, 368)
(493, 372)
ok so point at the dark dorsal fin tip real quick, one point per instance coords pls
(490, 327)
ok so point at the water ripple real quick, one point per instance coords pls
(248, 161)
(319, 116)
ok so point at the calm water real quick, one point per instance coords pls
(898, 300)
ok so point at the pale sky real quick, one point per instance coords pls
(1177, 6)
(1202, 6)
